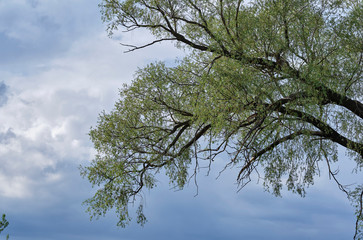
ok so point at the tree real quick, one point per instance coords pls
(275, 85)
(3, 224)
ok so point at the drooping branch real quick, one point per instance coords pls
(328, 131)
(197, 136)
(186, 125)
(273, 145)
(329, 95)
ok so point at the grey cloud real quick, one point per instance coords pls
(33, 3)
(33, 31)
(6, 136)
(3, 93)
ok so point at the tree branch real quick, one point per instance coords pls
(329, 132)
(133, 47)
(272, 146)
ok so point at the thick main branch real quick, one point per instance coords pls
(328, 131)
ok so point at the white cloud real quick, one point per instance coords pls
(51, 108)
(20, 20)
(14, 187)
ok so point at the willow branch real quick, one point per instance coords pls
(273, 145)
(328, 131)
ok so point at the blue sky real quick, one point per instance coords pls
(58, 71)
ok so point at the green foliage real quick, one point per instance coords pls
(3, 224)
(274, 84)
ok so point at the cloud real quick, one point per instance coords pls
(14, 187)
(50, 109)
(5, 137)
(3, 93)
(41, 20)
(34, 31)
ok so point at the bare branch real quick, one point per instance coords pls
(146, 45)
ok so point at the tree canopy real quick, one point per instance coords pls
(274, 85)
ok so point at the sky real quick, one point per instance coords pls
(58, 71)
